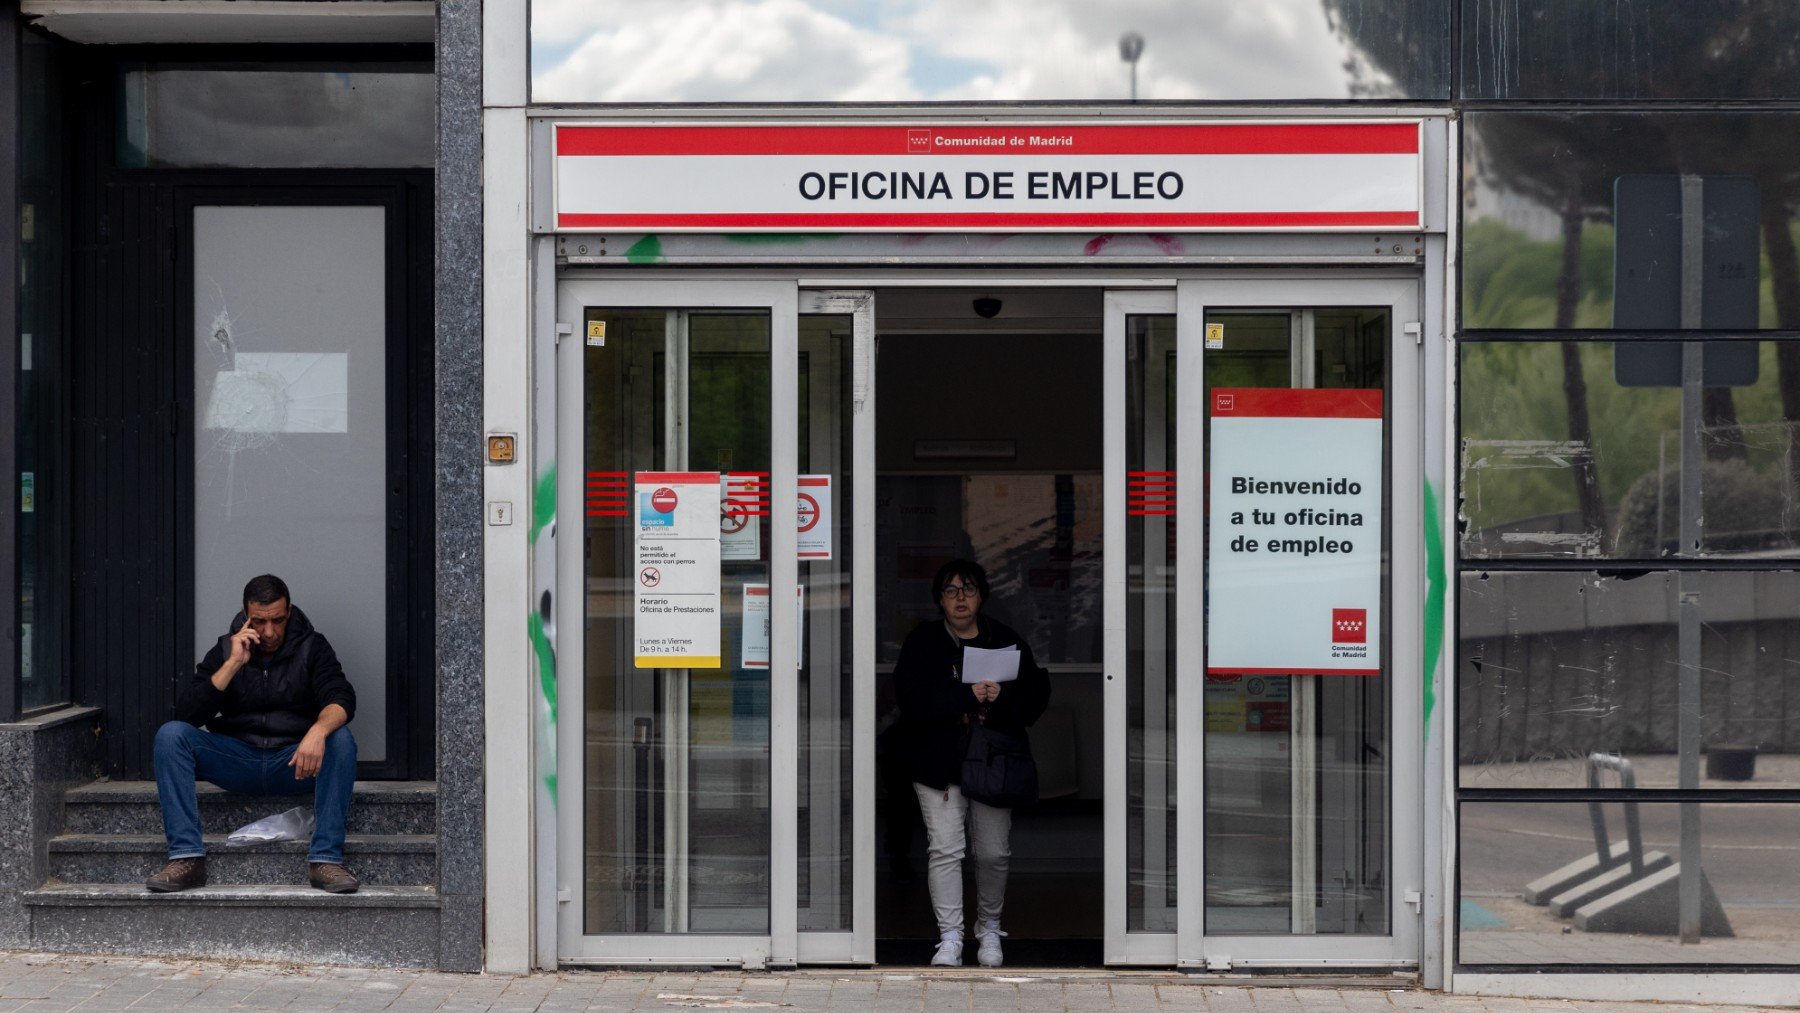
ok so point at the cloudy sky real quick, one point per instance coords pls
(929, 50)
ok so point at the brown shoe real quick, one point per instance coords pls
(332, 878)
(180, 874)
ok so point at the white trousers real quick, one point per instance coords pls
(953, 826)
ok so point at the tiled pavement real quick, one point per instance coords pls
(31, 981)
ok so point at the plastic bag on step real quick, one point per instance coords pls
(294, 825)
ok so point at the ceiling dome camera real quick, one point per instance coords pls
(987, 307)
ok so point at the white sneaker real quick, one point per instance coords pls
(989, 954)
(949, 950)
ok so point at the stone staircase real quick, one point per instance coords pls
(257, 903)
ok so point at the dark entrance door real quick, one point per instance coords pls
(303, 443)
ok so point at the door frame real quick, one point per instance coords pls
(405, 197)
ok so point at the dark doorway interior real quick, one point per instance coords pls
(989, 446)
(132, 198)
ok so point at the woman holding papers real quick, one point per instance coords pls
(965, 670)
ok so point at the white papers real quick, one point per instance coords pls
(983, 665)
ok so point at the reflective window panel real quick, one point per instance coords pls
(1559, 459)
(828, 852)
(1013, 50)
(676, 761)
(1525, 900)
(1558, 667)
(1630, 49)
(1150, 623)
(1573, 219)
(295, 116)
(1298, 805)
(45, 503)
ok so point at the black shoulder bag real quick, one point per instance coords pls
(997, 768)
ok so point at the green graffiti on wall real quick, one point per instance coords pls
(543, 512)
(1435, 581)
(647, 250)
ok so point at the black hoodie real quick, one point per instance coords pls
(274, 699)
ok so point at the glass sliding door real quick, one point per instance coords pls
(677, 419)
(1141, 684)
(1294, 819)
(835, 723)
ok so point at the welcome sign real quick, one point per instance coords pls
(1294, 532)
(1220, 176)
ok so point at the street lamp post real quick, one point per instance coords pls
(1131, 46)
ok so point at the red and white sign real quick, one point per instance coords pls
(676, 600)
(813, 518)
(1352, 175)
(1294, 526)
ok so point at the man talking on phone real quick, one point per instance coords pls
(264, 714)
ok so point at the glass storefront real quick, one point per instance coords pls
(689, 825)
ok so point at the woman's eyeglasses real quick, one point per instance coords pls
(961, 591)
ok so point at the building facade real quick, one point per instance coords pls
(1459, 338)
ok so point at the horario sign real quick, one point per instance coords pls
(1358, 175)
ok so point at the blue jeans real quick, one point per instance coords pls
(185, 754)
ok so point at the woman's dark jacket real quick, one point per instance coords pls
(274, 699)
(939, 707)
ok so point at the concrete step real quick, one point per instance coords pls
(130, 807)
(377, 859)
(391, 926)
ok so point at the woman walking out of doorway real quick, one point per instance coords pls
(944, 710)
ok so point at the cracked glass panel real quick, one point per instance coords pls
(291, 429)
(275, 116)
(1559, 460)
(1557, 667)
(1630, 49)
(1573, 219)
(1532, 890)
(1002, 50)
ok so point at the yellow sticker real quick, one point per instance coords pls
(1215, 335)
(596, 333)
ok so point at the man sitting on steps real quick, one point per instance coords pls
(277, 703)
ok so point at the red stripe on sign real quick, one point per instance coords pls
(982, 220)
(1290, 402)
(677, 477)
(1147, 139)
(1234, 670)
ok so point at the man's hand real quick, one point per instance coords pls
(986, 692)
(242, 643)
(309, 755)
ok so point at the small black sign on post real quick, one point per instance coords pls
(1649, 279)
